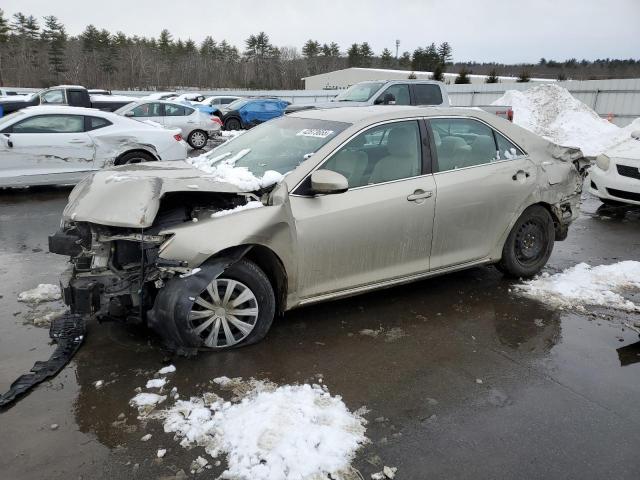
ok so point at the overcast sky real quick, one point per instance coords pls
(484, 30)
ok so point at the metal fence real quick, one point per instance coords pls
(618, 100)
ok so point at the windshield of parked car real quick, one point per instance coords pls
(360, 92)
(237, 104)
(280, 144)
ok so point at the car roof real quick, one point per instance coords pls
(64, 109)
(376, 113)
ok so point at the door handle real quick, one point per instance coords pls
(77, 141)
(419, 195)
(519, 173)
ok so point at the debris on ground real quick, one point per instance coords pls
(584, 285)
(98, 383)
(386, 473)
(161, 452)
(146, 402)
(145, 438)
(390, 335)
(42, 293)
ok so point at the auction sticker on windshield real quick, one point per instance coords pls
(314, 132)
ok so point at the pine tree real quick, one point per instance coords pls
(438, 73)
(354, 57)
(445, 53)
(493, 77)
(386, 58)
(165, 42)
(55, 36)
(311, 49)
(463, 76)
(405, 60)
(366, 54)
(4, 38)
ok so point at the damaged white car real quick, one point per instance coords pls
(48, 145)
(313, 206)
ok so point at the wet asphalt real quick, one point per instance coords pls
(559, 395)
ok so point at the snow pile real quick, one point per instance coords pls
(145, 402)
(156, 383)
(231, 134)
(586, 285)
(221, 168)
(42, 293)
(288, 432)
(552, 112)
(239, 208)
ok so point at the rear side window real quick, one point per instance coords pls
(93, 123)
(51, 124)
(395, 95)
(175, 110)
(426, 94)
(77, 98)
(462, 142)
(506, 149)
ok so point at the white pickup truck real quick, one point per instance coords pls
(396, 92)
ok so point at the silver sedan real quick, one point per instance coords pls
(196, 126)
(314, 206)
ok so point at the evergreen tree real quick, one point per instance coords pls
(386, 58)
(445, 53)
(366, 54)
(405, 60)
(493, 77)
(463, 76)
(4, 38)
(354, 58)
(209, 48)
(165, 42)
(311, 49)
(438, 73)
(523, 77)
(55, 36)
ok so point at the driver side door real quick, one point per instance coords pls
(378, 230)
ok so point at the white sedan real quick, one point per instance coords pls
(49, 145)
(615, 177)
(196, 126)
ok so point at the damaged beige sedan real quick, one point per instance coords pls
(313, 206)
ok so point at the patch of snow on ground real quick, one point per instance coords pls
(146, 401)
(292, 432)
(239, 208)
(156, 383)
(552, 112)
(167, 369)
(586, 285)
(42, 293)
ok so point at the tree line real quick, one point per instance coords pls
(40, 53)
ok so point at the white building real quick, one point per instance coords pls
(339, 79)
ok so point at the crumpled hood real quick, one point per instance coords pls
(129, 196)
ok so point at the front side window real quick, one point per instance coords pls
(53, 96)
(381, 154)
(462, 142)
(174, 110)
(148, 110)
(51, 124)
(427, 94)
(395, 95)
(360, 92)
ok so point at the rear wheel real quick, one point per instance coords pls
(197, 139)
(529, 244)
(134, 157)
(235, 309)
(232, 124)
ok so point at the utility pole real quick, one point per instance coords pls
(397, 47)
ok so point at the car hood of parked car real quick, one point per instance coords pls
(129, 196)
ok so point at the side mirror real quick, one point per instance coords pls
(386, 99)
(128, 113)
(328, 182)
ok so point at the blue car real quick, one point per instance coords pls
(249, 112)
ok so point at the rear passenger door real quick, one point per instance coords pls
(178, 116)
(153, 111)
(482, 181)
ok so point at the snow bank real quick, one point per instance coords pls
(293, 432)
(552, 112)
(239, 208)
(42, 293)
(586, 285)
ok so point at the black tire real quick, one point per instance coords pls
(247, 274)
(232, 124)
(198, 139)
(134, 157)
(529, 244)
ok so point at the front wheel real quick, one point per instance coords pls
(529, 244)
(232, 124)
(134, 157)
(233, 310)
(198, 139)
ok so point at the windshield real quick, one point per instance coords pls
(280, 144)
(360, 92)
(237, 104)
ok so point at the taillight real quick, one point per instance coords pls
(215, 119)
(510, 115)
(178, 137)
